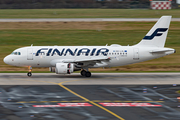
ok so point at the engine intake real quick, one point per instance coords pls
(64, 68)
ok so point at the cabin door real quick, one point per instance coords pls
(29, 54)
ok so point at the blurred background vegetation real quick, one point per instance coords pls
(45, 4)
(41, 4)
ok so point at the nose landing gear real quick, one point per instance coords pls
(29, 74)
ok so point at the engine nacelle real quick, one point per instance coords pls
(52, 69)
(64, 68)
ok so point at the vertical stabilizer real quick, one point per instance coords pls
(158, 33)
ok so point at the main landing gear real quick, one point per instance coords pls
(85, 73)
(29, 74)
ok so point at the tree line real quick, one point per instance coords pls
(42, 4)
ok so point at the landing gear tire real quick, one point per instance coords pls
(83, 72)
(88, 74)
(29, 74)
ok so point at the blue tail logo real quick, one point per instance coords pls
(155, 33)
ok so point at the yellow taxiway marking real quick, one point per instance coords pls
(60, 84)
(112, 113)
(33, 101)
(85, 99)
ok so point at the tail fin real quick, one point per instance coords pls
(158, 33)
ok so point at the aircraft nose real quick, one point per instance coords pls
(6, 60)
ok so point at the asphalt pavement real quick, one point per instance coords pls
(104, 96)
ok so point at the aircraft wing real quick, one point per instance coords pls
(83, 62)
(93, 59)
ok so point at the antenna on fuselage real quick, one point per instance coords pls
(106, 44)
(31, 45)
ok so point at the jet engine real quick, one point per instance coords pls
(64, 68)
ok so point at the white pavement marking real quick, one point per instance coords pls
(130, 104)
(81, 19)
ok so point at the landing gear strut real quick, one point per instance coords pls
(85, 73)
(29, 74)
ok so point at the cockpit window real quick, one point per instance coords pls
(16, 53)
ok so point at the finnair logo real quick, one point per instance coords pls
(155, 33)
(74, 52)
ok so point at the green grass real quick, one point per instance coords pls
(87, 13)
(14, 35)
(67, 37)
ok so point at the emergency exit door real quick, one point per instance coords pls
(136, 54)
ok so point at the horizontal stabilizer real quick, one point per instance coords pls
(161, 50)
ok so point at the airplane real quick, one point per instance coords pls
(67, 59)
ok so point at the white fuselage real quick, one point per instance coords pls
(48, 56)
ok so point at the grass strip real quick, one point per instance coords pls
(87, 13)
(15, 35)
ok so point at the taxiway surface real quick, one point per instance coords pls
(96, 79)
(104, 96)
